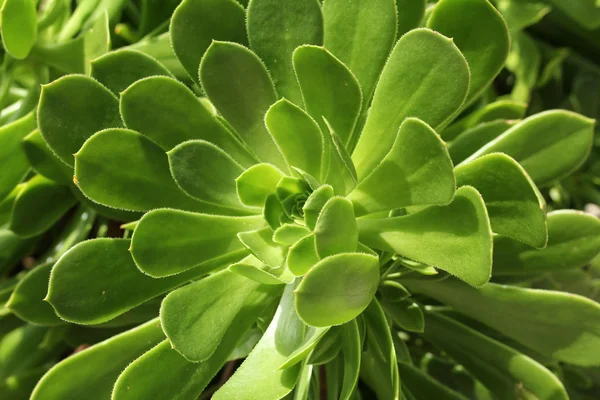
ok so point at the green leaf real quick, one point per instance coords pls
(416, 171)
(78, 375)
(422, 66)
(196, 23)
(338, 169)
(12, 156)
(515, 206)
(260, 243)
(288, 234)
(336, 230)
(311, 340)
(573, 241)
(275, 29)
(258, 377)
(501, 369)
(423, 386)
(560, 325)
(302, 256)
(524, 61)
(205, 172)
(96, 40)
(18, 19)
(406, 314)
(314, 204)
(584, 12)
(257, 271)
(123, 169)
(328, 348)
(43, 160)
(13, 248)
(27, 302)
(117, 70)
(410, 14)
(211, 306)
(167, 242)
(351, 349)
(475, 138)
(256, 183)
(169, 113)
(480, 33)
(242, 102)
(337, 289)
(83, 288)
(329, 89)
(361, 37)
(72, 109)
(456, 238)
(539, 141)
(39, 205)
(297, 136)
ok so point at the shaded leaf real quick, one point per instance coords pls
(12, 156)
(314, 204)
(475, 138)
(260, 243)
(43, 160)
(351, 349)
(410, 14)
(336, 230)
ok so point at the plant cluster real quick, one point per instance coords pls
(298, 199)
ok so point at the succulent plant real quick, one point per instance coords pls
(333, 192)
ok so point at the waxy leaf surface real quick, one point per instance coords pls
(18, 19)
(12, 156)
(336, 230)
(256, 183)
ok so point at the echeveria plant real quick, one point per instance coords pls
(334, 194)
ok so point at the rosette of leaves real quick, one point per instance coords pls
(306, 214)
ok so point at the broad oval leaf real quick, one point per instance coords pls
(297, 135)
(260, 243)
(422, 66)
(44, 161)
(12, 156)
(329, 90)
(410, 14)
(167, 242)
(72, 109)
(573, 241)
(275, 29)
(515, 206)
(538, 143)
(416, 171)
(109, 356)
(117, 70)
(337, 289)
(560, 325)
(205, 172)
(475, 138)
(456, 238)
(242, 102)
(288, 234)
(169, 113)
(314, 204)
(196, 23)
(256, 183)
(336, 230)
(480, 33)
(361, 34)
(18, 19)
(302, 256)
(407, 314)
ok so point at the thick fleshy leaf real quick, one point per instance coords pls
(259, 377)
(351, 349)
(260, 243)
(205, 172)
(18, 19)
(13, 248)
(329, 90)
(539, 141)
(288, 234)
(314, 204)
(27, 302)
(275, 29)
(196, 23)
(504, 371)
(256, 183)
(416, 171)
(83, 288)
(43, 160)
(422, 66)
(475, 138)
(72, 109)
(336, 230)
(406, 314)
(96, 39)
(337, 289)
(573, 241)
(169, 113)
(480, 33)
(515, 206)
(328, 347)
(242, 102)
(302, 256)
(297, 135)
(423, 386)
(167, 242)
(180, 378)
(361, 35)
(117, 70)
(311, 339)
(123, 169)
(410, 14)
(78, 375)
(257, 271)
(39, 205)
(12, 157)
(560, 325)
(338, 169)
(456, 238)
(211, 306)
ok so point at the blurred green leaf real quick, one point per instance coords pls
(18, 19)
